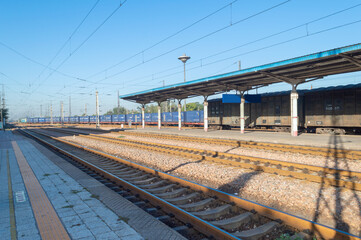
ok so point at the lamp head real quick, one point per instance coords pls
(184, 58)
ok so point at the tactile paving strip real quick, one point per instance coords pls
(49, 224)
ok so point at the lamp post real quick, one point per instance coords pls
(184, 58)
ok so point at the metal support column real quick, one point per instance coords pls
(179, 115)
(51, 113)
(294, 112)
(205, 115)
(97, 109)
(242, 113)
(62, 113)
(159, 117)
(143, 116)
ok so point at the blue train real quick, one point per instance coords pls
(189, 118)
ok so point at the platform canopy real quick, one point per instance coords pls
(294, 71)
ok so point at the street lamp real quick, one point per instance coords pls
(184, 58)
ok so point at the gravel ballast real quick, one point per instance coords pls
(340, 208)
(322, 161)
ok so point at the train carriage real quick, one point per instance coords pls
(105, 119)
(118, 118)
(336, 109)
(84, 119)
(92, 119)
(323, 110)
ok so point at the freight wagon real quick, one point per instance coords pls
(323, 110)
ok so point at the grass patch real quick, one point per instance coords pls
(94, 196)
(68, 206)
(286, 236)
(75, 191)
(124, 219)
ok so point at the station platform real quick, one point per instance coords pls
(42, 196)
(349, 142)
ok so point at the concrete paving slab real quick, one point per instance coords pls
(72, 195)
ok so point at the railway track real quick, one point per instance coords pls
(329, 176)
(213, 213)
(317, 151)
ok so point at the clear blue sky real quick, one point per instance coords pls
(37, 29)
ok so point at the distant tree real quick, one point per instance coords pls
(195, 106)
(5, 113)
(149, 108)
(168, 106)
(116, 110)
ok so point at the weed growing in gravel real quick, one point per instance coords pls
(75, 191)
(286, 236)
(124, 219)
(95, 196)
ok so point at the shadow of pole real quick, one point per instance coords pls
(335, 156)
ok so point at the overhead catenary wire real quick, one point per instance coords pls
(70, 37)
(195, 40)
(38, 63)
(82, 43)
(233, 48)
(164, 39)
(266, 47)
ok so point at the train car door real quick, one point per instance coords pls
(338, 109)
(277, 110)
(349, 116)
(357, 122)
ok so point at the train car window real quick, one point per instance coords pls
(349, 103)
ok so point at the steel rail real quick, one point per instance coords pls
(317, 151)
(322, 231)
(328, 176)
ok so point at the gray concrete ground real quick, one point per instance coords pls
(305, 139)
(25, 221)
(83, 215)
(87, 208)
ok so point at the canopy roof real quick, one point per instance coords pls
(294, 71)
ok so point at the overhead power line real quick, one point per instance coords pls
(70, 37)
(81, 44)
(196, 40)
(279, 43)
(243, 45)
(164, 39)
(38, 63)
